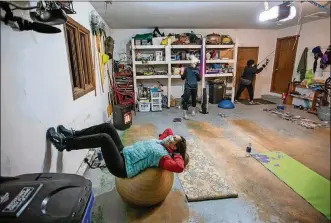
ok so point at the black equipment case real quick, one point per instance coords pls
(45, 198)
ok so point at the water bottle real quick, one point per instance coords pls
(248, 149)
(99, 154)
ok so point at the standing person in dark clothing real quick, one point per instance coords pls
(191, 76)
(247, 79)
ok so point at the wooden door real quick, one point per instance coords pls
(245, 54)
(286, 49)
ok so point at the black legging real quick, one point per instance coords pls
(106, 137)
(186, 97)
(242, 88)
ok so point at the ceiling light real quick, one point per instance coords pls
(293, 13)
(279, 13)
(270, 14)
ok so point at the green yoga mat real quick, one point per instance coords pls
(312, 187)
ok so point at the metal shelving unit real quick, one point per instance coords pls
(169, 63)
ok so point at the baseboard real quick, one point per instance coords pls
(91, 154)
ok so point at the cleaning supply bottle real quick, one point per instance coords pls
(99, 155)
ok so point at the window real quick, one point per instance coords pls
(79, 58)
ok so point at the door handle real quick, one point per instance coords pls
(276, 69)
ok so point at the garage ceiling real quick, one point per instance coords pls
(243, 14)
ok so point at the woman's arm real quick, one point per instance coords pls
(197, 74)
(165, 133)
(175, 165)
(184, 74)
(258, 70)
(167, 140)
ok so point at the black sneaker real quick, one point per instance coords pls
(56, 139)
(64, 131)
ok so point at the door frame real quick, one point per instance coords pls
(276, 60)
(243, 47)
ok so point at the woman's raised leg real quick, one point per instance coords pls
(113, 159)
(107, 128)
(110, 152)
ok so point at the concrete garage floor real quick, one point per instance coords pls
(262, 196)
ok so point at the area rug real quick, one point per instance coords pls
(201, 180)
(258, 101)
(314, 188)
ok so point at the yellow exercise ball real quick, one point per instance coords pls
(147, 188)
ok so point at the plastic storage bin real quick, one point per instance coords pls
(156, 101)
(156, 95)
(156, 107)
(144, 106)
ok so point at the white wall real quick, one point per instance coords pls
(264, 39)
(36, 94)
(315, 33)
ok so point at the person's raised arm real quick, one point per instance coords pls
(175, 164)
(167, 140)
(165, 133)
(258, 70)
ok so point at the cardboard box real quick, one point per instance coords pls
(178, 102)
(176, 70)
(226, 54)
(172, 102)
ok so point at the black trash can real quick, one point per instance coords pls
(46, 198)
(216, 92)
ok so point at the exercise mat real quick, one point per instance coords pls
(314, 188)
(201, 180)
(257, 101)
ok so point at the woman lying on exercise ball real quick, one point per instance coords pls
(169, 152)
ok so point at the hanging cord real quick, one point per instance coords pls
(266, 5)
(267, 58)
(106, 5)
(299, 25)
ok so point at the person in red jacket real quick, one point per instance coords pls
(168, 152)
(177, 161)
